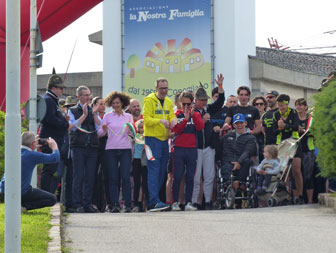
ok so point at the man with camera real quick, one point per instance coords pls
(53, 125)
(33, 198)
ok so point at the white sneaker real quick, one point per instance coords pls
(190, 207)
(176, 206)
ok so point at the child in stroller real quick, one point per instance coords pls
(269, 167)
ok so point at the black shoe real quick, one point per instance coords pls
(208, 206)
(90, 209)
(115, 209)
(69, 210)
(80, 210)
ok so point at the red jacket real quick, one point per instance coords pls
(185, 131)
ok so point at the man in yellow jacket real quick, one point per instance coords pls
(158, 117)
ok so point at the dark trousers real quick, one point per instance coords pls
(101, 191)
(36, 198)
(119, 166)
(240, 174)
(48, 171)
(67, 183)
(140, 179)
(264, 180)
(185, 161)
(84, 163)
(157, 169)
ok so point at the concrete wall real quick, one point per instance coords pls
(265, 77)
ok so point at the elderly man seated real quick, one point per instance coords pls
(237, 148)
(33, 198)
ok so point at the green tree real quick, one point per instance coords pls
(133, 62)
(324, 129)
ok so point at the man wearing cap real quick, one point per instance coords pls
(267, 117)
(237, 147)
(159, 117)
(53, 125)
(206, 141)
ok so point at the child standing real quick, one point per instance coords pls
(267, 168)
(139, 167)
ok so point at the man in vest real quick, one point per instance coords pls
(84, 150)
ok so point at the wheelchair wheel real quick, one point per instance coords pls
(271, 202)
(230, 195)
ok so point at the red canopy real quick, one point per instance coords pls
(53, 17)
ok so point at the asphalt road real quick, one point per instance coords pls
(306, 228)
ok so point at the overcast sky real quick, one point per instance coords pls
(294, 23)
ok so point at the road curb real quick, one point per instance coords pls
(55, 245)
(325, 199)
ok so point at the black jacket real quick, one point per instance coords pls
(54, 124)
(207, 137)
(237, 149)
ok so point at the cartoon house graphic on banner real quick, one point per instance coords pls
(170, 59)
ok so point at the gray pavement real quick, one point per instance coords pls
(306, 228)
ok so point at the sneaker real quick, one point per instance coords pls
(126, 210)
(160, 207)
(176, 206)
(135, 209)
(90, 209)
(23, 209)
(208, 206)
(190, 207)
(80, 210)
(115, 209)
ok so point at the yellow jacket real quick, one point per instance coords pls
(153, 113)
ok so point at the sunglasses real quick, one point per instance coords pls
(184, 104)
(259, 104)
(270, 97)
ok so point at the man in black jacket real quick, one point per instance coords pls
(238, 146)
(53, 125)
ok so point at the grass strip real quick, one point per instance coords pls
(34, 230)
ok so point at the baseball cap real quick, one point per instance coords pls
(273, 92)
(238, 118)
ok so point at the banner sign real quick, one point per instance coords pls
(169, 39)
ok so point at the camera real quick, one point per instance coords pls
(43, 141)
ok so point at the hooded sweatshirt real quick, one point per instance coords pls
(153, 112)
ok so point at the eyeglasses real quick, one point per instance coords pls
(163, 88)
(259, 104)
(184, 104)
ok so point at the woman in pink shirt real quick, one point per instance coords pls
(118, 154)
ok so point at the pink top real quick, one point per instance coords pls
(115, 122)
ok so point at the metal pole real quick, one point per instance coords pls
(33, 79)
(13, 130)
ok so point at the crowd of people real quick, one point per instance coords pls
(164, 157)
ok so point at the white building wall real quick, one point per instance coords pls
(234, 40)
(112, 67)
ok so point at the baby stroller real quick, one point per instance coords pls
(232, 193)
(277, 193)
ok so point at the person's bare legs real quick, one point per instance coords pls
(296, 167)
(169, 185)
(310, 195)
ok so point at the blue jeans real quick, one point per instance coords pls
(156, 168)
(118, 163)
(185, 161)
(84, 162)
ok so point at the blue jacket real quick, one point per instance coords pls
(29, 159)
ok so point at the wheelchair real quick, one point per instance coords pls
(234, 194)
